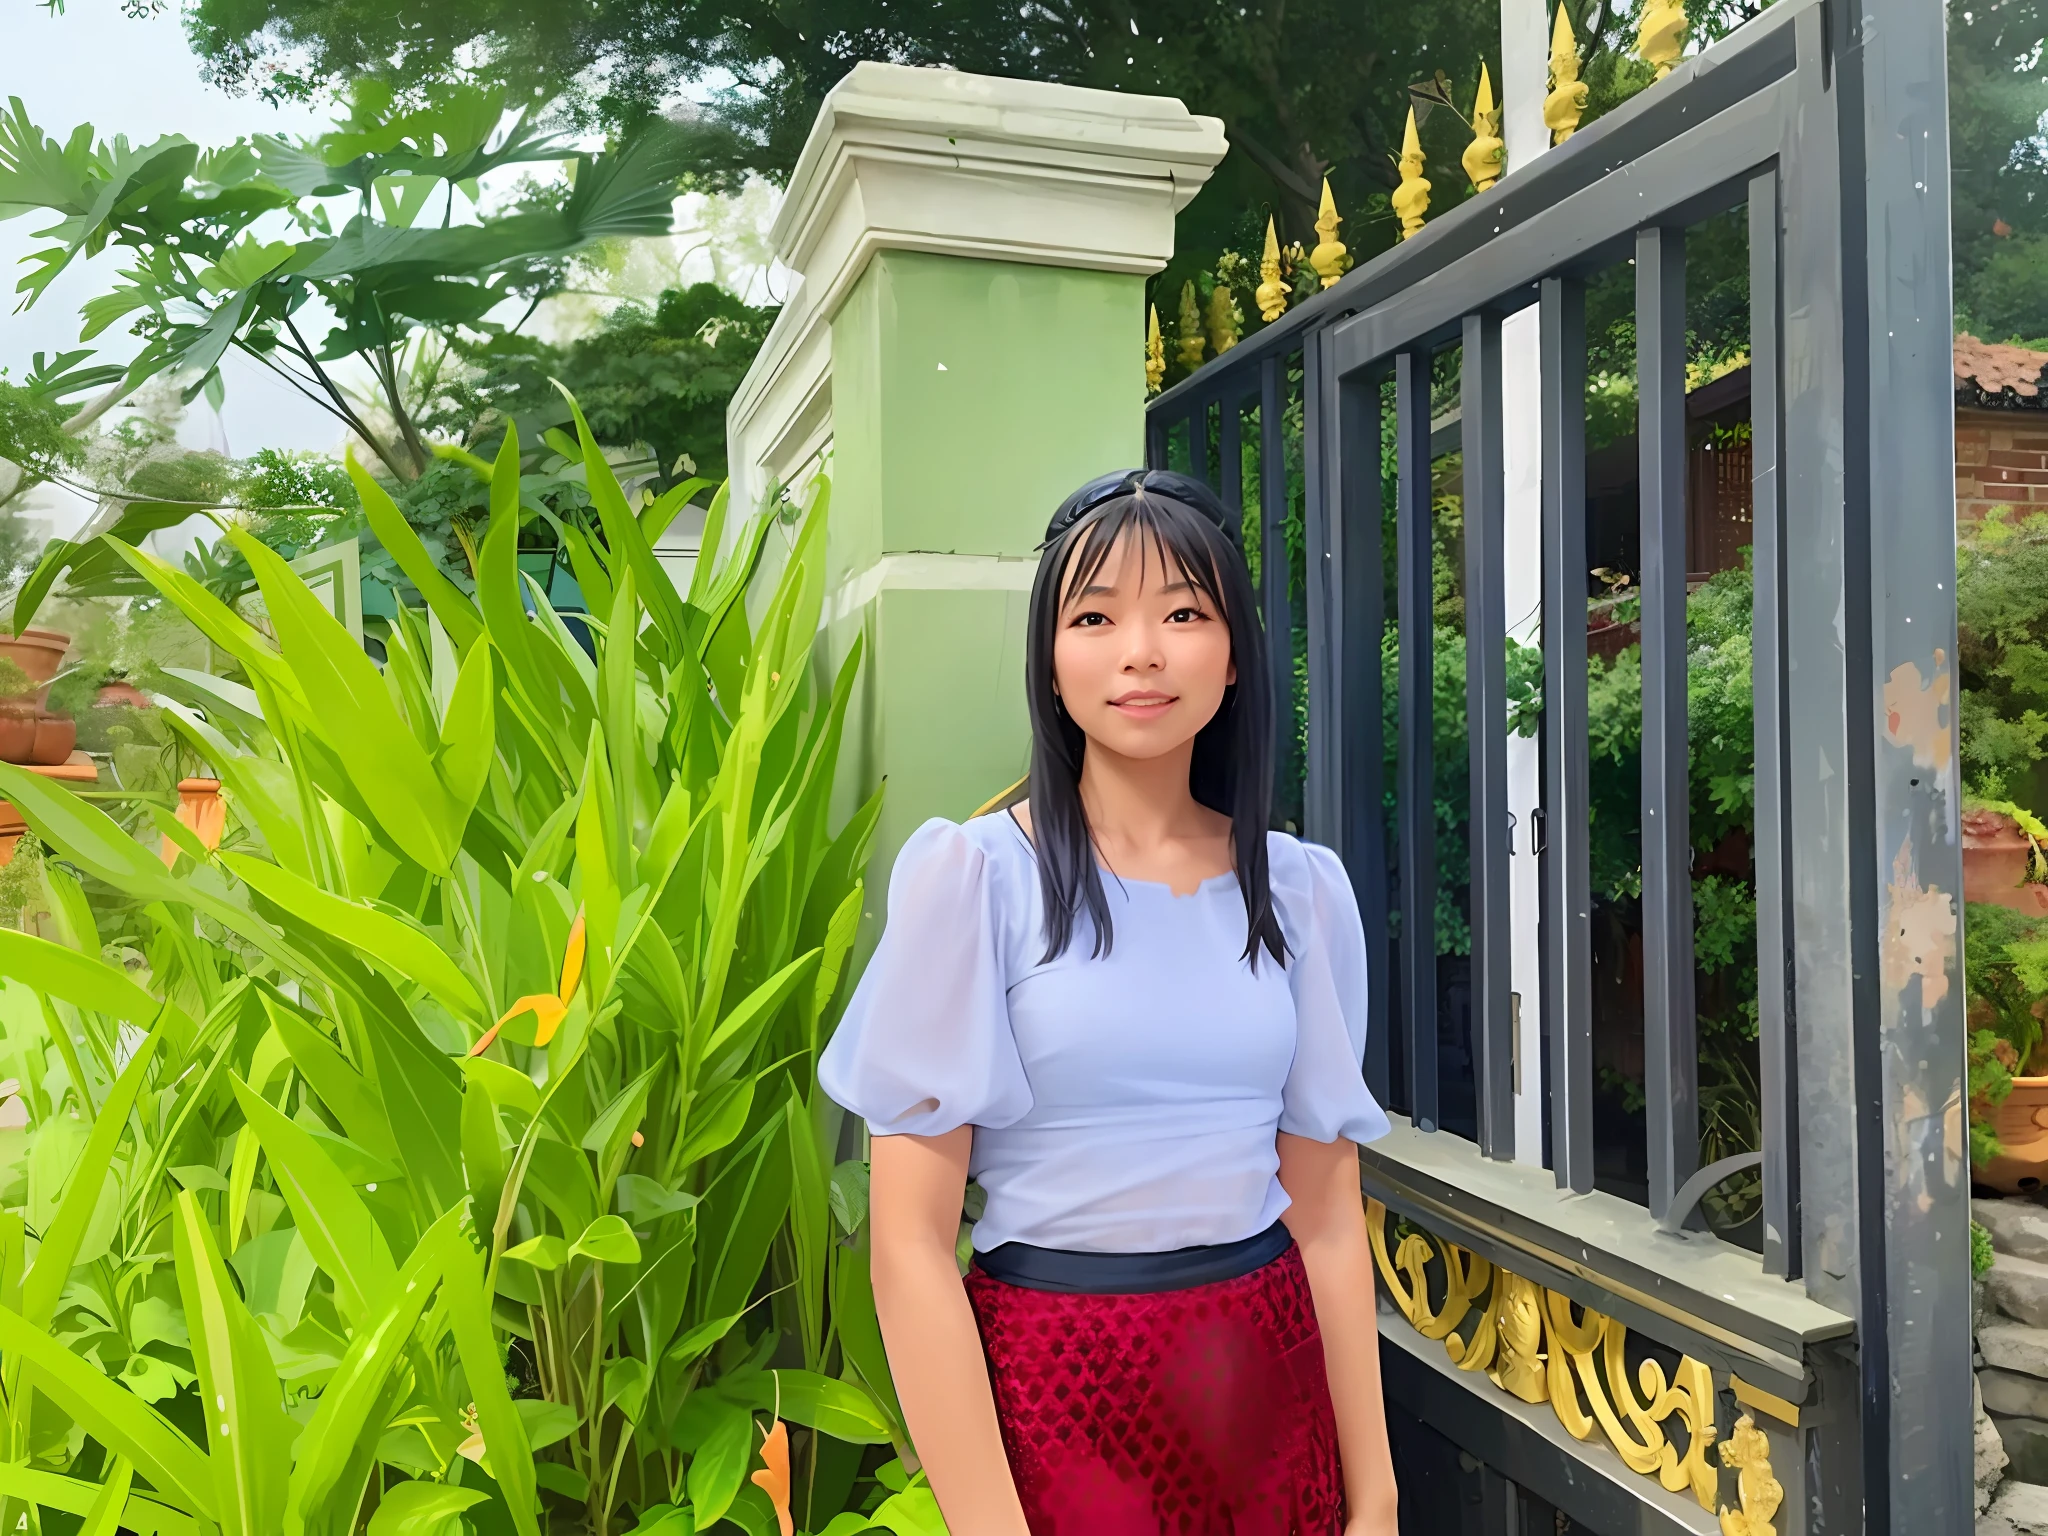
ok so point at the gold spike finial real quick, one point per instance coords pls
(1566, 102)
(1224, 319)
(1484, 156)
(1192, 343)
(1660, 34)
(1155, 352)
(1411, 197)
(1329, 258)
(1272, 292)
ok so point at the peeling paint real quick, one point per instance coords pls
(1917, 713)
(1919, 928)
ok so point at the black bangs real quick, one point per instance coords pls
(1232, 770)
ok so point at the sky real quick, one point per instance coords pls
(94, 64)
(136, 76)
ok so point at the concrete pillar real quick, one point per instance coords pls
(965, 346)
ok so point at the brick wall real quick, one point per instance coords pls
(2001, 457)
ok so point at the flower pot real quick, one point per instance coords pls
(112, 695)
(2021, 1126)
(18, 730)
(38, 652)
(1995, 853)
(56, 735)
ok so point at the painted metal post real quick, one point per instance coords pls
(1912, 1154)
(1670, 1047)
(1568, 906)
(1486, 735)
(1416, 668)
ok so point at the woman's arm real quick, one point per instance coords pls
(1327, 1218)
(935, 1356)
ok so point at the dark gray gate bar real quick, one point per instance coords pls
(1486, 731)
(1568, 905)
(1417, 804)
(1230, 449)
(1325, 617)
(1274, 600)
(1670, 1047)
(1351, 466)
(1776, 1066)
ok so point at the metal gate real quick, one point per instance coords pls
(1561, 1355)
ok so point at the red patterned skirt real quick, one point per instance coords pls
(1197, 1412)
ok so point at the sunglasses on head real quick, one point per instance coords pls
(1185, 489)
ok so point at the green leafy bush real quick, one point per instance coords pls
(446, 1145)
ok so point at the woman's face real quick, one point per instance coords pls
(1142, 657)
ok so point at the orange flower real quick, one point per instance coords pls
(773, 1479)
(548, 1010)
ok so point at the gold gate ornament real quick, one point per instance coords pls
(1542, 1348)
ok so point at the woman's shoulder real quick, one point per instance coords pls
(1299, 862)
(990, 847)
(1310, 886)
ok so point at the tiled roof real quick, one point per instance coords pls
(1994, 371)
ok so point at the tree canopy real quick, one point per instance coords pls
(1305, 87)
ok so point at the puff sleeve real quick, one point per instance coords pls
(925, 1044)
(1325, 1096)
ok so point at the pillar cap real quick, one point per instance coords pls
(904, 158)
(980, 166)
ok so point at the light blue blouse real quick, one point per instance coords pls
(1126, 1104)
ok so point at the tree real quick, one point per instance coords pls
(1998, 155)
(659, 378)
(1304, 86)
(235, 247)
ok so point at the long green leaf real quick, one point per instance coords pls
(344, 1238)
(505, 1441)
(340, 1086)
(451, 606)
(389, 942)
(337, 1447)
(467, 742)
(138, 1512)
(354, 713)
(625, 538)
(737, 1031)
(247, 1434)
(111, 1414)
(84, 979)
(214, 619)
(44, 1283)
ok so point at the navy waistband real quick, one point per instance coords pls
(1132, 1274)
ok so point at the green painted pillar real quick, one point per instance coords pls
(965, 346)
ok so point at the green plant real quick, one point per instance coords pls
(449, 1138)
(1991, 1061)
(1982, 1254)
(202, 279)
(2002, 653)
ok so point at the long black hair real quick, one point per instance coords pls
(1181, 522)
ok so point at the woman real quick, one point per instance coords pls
(1136, 1018)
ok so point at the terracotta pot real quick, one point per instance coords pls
(112, 694)
(2021, 1126)
(1995, 854)
(18, 730)
(38, 652)
(56, 735)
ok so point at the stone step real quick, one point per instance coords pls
(2014, 1394)
(2014, 1347)
(2026, 1446)
(2021, 1508)
(2018, 1226)
(2019, 1288)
